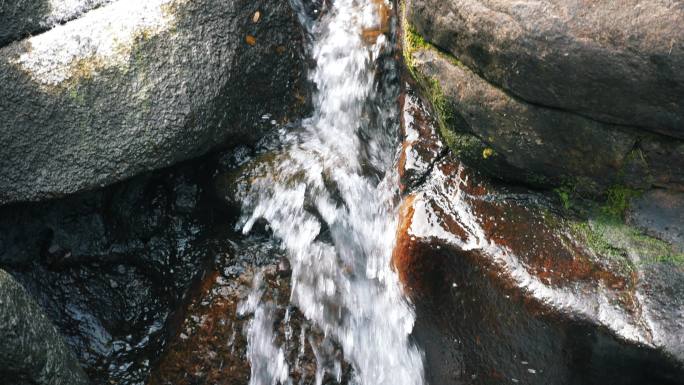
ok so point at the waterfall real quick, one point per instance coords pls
(330, 199)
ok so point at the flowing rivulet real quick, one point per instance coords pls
(330, 199)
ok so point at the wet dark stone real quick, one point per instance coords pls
(113, 266)
(209, 339)
(661, 214)
(32, 352)
(421, 145)
(476, 332)
(511, 288)
(478, 324)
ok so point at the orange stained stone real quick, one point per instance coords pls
(370, 35)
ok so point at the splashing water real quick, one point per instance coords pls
(330, 198)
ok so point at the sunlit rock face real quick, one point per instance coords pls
(132, 86)
(615, 62)
(508, 289)
(559, 93)
(69, 53)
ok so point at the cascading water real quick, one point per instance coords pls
(330, 198)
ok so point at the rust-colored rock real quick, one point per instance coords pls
(370, 35)
(209, 347)
(210, 344)
(507, 289)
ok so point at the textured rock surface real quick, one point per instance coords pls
(660, 213)
(20, 18)
(31, 349)
(210, 344)
(614, 61)
(112, 267)
(539, 140)
(507, 288)
(134, 86)
(542, 145)
(421, 146)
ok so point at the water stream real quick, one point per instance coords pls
(329, 197)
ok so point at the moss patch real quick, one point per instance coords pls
(609, 237)
(617, 202)
(564, 195)
(413, 42)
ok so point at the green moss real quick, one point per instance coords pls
(594, 233)
(412, 41)
(564, 194)
(465, 146)
(609, 237)
(670, 259)
(617, 201)
(76, 96)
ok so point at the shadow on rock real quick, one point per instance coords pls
(111, 267)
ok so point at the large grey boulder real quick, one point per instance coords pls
(139, 85)
(514, 139)
(614, 61)
(31, 350)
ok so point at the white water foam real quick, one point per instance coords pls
(331, 202)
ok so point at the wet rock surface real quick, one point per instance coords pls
(154, 83)
(112, 267)
(31, 349)
(508, 288)
(585, 57)
(210, 344)
(144, 278)
(421, 146)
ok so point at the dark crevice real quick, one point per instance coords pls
(422, 178)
